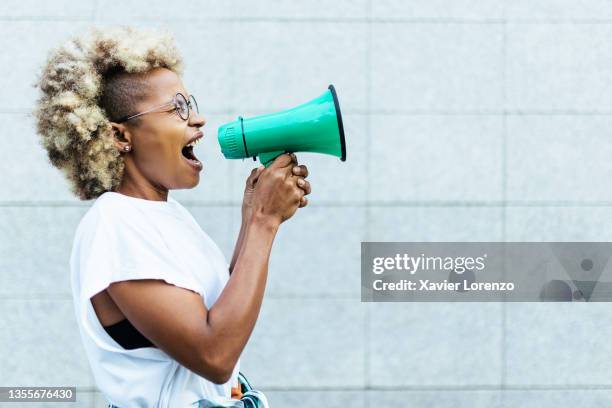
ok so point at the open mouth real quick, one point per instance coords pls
(187, 151)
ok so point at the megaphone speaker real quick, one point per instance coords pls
(315, 126)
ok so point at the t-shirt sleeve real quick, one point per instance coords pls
(127, 248)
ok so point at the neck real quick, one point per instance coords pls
(136, 185)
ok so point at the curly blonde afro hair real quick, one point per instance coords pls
(83, 83)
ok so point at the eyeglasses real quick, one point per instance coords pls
(181, 104)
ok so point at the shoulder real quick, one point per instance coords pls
(114, 209)
(110, 203)
(106, 214)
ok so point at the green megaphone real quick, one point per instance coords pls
(315, 126)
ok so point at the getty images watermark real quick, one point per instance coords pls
(486, 271)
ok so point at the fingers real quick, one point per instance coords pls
(300, 170)
(289, 160)
(304, 185)
(306, 189)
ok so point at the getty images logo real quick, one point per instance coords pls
(413, 264)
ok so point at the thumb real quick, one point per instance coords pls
(255, 173)
(258, 172)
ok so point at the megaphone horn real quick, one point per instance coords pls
(314, 126)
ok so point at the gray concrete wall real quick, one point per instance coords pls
(466, 120)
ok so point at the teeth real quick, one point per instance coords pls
(195, 142)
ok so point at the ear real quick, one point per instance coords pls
(122, 136)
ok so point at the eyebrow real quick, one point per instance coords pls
(171, 97)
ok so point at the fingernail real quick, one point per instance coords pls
(300, 182)
(296, 169)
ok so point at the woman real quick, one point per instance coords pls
(163, 317)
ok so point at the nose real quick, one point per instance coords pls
(197, 120)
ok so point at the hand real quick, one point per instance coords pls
(301, 171)
(277, 195)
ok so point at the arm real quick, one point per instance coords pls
(246, 211)
(250, 265)
(238, 246)
(247, 202)
(234, 314)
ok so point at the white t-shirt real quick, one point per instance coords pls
(123, 238)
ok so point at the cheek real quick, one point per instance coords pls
(164, 143)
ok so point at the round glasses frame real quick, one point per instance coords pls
(181, 104)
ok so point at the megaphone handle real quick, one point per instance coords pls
(267, 158)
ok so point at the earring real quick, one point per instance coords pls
(126, 148)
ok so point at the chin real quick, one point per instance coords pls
(186, 179)
(186, 184)
(194, 183)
